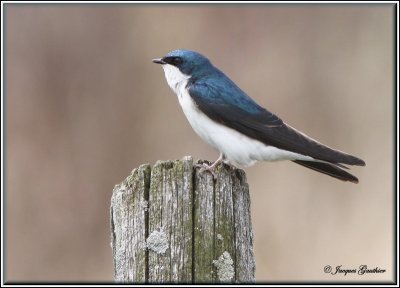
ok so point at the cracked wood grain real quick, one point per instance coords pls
(172, 223)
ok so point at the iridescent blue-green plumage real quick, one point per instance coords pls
(220, 99)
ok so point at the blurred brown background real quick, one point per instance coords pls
(85, 105)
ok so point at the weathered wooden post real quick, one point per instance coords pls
(172, 223)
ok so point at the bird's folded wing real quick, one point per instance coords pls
(247, 117)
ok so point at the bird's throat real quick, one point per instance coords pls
(175, 78)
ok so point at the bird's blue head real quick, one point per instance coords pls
(189, 62)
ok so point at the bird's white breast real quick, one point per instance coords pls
(237, 147)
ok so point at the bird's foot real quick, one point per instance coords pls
(210, 168)
(205, 167)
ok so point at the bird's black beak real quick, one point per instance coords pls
(159, 61)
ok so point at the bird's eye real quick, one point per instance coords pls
(176, 61)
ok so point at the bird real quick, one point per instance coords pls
(243, 132)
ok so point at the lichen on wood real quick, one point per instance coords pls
(172, 223)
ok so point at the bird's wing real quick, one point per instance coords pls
(230, 106)
(332, 170)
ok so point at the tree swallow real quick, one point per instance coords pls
(234, 124)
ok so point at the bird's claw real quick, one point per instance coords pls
(205, 167)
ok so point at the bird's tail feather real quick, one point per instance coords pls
(328, 169)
